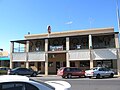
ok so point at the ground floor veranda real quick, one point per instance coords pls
(56, 61)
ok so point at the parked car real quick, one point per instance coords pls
(99, 72)
(16, 82)
(22, 71)
(68, 72)
(4, 70)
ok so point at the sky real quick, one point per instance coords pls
(18, 17)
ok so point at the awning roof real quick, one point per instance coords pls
(4, 58)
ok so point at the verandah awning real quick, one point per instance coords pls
(4, 58)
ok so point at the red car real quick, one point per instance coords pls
(68, 72)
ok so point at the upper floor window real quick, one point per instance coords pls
(104, 41)
(57, 44)
(36, 45)
(19, 47)
(79, 42)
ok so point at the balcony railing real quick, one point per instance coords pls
(19, 56)
(97, 54)
(31, 56)
(36, 56)
(79, 55)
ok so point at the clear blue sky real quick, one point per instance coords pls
(18, 17)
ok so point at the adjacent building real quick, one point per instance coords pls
(4, 58)
(77, 48)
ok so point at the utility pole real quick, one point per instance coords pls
(118, 17)
(118, 50)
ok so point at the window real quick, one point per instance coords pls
(67, 69)
(107, 69)
(50, 64)
(31, 64)
(103, 41)
(94, 69)
(31, 87)
(72, 64)
(77, 69)
(104, 63)
(101, 69)
(84, 63)
(17, 86)
(79, 42)
(21, 69)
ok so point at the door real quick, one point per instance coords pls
(99, 63)
(57, 66)
(107, 72)
(102, 72)
(64, 64)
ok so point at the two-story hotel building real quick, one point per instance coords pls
(77, 48)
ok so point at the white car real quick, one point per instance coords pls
(16, 82)
(99, 72)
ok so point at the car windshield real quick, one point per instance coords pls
(93, 69)
(15, 68)
(61, 68)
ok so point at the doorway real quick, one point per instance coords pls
(57, 66)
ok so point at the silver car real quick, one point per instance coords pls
(99, 72)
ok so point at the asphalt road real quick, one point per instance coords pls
(86, 83)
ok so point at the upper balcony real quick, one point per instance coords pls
(59, 44)
(103, 47)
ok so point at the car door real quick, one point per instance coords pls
(77, 72)
(28, 71)
(22, 71)
(107, 71)
(25, 71)
(101, 71)
(73, 71)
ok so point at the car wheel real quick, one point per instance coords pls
(111, 75)
(63, 76)
(34, 75)
(15, 73)
(98, 76)
(69, 76)
(89, 77)
(84, 76)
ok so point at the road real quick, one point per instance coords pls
(86, 83)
